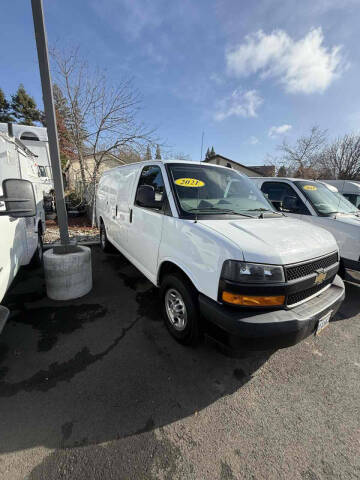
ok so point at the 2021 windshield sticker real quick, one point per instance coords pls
(309, 187)
(189, 182)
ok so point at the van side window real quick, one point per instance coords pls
(284, 198)
(151, 176)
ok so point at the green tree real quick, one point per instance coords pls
(212, 152)
(24, 107)
(148, 153)
(158, 153)
(5, 115)
(207, 156)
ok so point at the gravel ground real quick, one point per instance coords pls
(81, 234)
(97, 389)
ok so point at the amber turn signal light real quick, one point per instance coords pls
(253, 301)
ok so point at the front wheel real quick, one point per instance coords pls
(180, 309)
(104, 242)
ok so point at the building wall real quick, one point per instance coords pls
(226, 163)
(73, 174)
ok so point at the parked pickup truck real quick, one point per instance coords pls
(223, 257)
(22, 218)
(316, 203)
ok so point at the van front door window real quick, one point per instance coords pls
(151, 177)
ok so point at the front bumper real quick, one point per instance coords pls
(350, 271)
(256, 330)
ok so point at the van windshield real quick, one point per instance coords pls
(206, 190)
(324, 200)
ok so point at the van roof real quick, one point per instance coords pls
(159, 162)
(284, 178)
(345, 186)
(291, 179)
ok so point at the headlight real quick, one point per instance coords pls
(244, 272)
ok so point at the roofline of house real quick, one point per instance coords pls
(230, 160)
(109, 154)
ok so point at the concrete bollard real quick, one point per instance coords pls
(68, 275)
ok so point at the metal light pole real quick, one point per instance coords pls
(43, 56)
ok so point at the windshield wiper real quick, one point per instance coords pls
(219, 211)
(262, 210)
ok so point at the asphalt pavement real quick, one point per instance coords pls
(97, 389)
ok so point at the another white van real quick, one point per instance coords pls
(22, 219)
(349, 188)
(222, 256)
(316, 203)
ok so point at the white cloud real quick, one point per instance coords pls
(280, 130)
(216, 78)
(239, 104)
(302, 66)
(253, 140)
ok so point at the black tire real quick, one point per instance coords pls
(190, 332)
(106, 246)
(37, 259)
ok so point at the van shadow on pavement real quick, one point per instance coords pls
(103, 367)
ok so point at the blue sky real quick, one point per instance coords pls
(248, 74)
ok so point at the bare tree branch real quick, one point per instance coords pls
(102, 118)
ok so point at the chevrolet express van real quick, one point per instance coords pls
(223, 257)
(317, 204)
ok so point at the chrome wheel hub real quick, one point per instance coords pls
(176, 309)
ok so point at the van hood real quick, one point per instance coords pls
(278, 241)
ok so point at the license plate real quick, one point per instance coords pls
(323, 322)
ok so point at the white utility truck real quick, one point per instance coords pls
(223, 257)
(36, 141)
(22, 217)
(316, 203)
(349, 189)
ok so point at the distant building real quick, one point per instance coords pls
(264, 170)
(73, 180)
(253, 171)
(72, 173)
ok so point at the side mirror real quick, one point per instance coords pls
(19, 198)
(145, 197)
(290, 204)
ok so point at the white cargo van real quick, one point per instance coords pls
(349, 188)
(222, 256)
(22, 219)
(317, 204)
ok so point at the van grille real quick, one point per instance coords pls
(304, 269)
(300, 296)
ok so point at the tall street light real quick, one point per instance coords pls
(67, 266)
(46, 84)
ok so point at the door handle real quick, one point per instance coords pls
(130, 218)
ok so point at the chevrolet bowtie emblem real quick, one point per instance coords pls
(320, 277)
